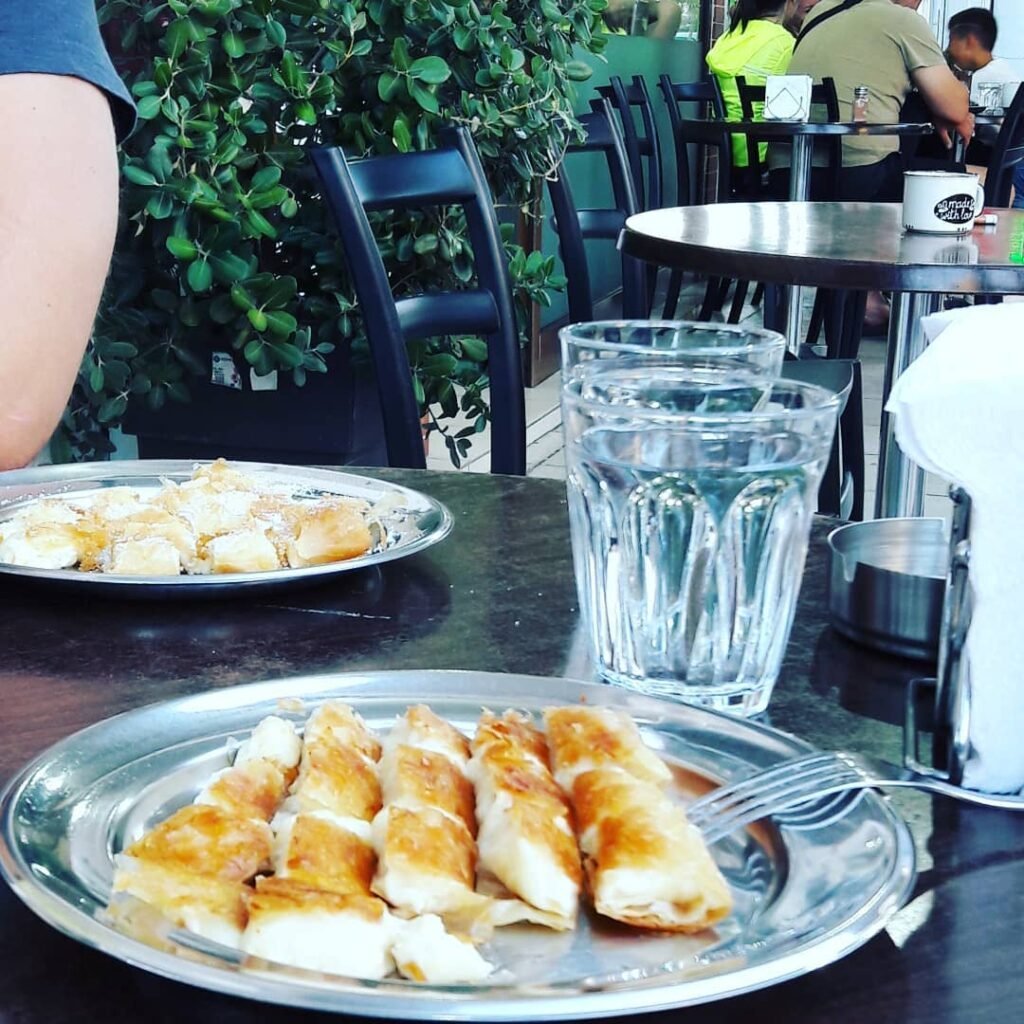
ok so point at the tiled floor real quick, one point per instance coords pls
(545, 455)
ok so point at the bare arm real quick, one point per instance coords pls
(666, 25)
(947, 98)
(58, 216)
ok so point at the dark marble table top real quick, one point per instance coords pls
(838, 245)
(498, 595)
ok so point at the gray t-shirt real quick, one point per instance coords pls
(62, 37)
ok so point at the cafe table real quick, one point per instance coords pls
(854, 246)
(801, 136)
(496, 595)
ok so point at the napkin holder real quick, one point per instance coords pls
(951, 729)
(787, 98)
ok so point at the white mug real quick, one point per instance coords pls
(941, 202)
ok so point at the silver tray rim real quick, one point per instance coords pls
(61, 480)
(398, 999)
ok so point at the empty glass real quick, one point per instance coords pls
(691, 491)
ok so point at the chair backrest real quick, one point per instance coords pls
(574, 225)
(1007, 154)
(639, 146)
(823, 94)
(706, 98)
(447, 176)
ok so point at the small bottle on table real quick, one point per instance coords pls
(860, 103)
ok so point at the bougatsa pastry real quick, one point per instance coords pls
(298, 925)
(424, 951)
(646, 865)
(583, 738)
(526, 839)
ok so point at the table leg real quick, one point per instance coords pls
(901, 482)
(799, 191)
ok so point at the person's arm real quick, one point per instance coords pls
(58, 217)
(666, 24)
(947, 99)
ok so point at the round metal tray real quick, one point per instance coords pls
(412, 522)
(804, 895)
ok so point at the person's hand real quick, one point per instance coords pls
(964, 128)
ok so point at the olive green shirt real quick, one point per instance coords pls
(877, 44)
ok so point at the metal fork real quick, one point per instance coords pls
(804, 781)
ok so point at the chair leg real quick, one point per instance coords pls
(738, 300)
(758, 297)
(817, 320)
(675, 285)
(710, 303)
(835, 315)
(774, 309)
(853, 324)
(851, 429)
(723, 293)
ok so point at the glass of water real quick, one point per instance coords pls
(636, 342)
(691, 492)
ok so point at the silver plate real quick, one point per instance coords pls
(805, 896)
(413, 521)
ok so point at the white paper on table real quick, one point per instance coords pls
(959, 413)
(787, 98)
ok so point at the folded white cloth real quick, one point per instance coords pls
(959, 412)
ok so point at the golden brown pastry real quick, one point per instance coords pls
(329, 533)
(583, 738)
(422, 779)
(646, 865)
(206, 840)
(294, 924)
(324, 852)
(526, 838)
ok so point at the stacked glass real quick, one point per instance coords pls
(692, 474)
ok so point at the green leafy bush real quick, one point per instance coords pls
(225, 244)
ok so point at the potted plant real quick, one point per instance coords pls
(226, 267)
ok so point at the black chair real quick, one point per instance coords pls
(639, 146)
(842, 486)
(446, 176)
(1007, 154)
(824, 97)
(706, 98)
(574, 226)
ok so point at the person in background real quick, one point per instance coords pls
(756, 45)
(660, 18)
(58, 207)
(972, 38)
(801, 9)
(886, 46)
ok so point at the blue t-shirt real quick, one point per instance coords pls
(62, 37)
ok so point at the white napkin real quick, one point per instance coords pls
(959, 412)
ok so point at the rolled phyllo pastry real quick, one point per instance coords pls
(525, 839)
(584, 738)
(419, 727)
(291, 923)
(322, 835)
(646, 865)
(264, 766)
(424, 951)
(418, 779)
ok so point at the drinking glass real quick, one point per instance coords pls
(691, 492)
(636, 342)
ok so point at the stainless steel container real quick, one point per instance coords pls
(887, 584)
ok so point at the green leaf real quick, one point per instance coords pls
(401, 135)
(160, 206)
(96, 379)
(425, 243)
(388, 85)
(252, 351)
(432, 70)
(280, 323)
(257, 318)
(474, 348)
(241, 298)
(424, 97)
(266, 177)
(223, 310)
(305, 112)
(276, 32)
(228, 268)
(289, 208)
(182, 248)
(260, 225)
(577, 71)
(112, 409)
(281, 292)
(149, 107)
(233, 44)
(200, 275)
(177, 37)
(138, 175)
(120, 350)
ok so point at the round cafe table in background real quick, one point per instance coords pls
(802, 135)
(856, 246)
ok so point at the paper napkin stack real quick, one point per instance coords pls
(959, 412)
